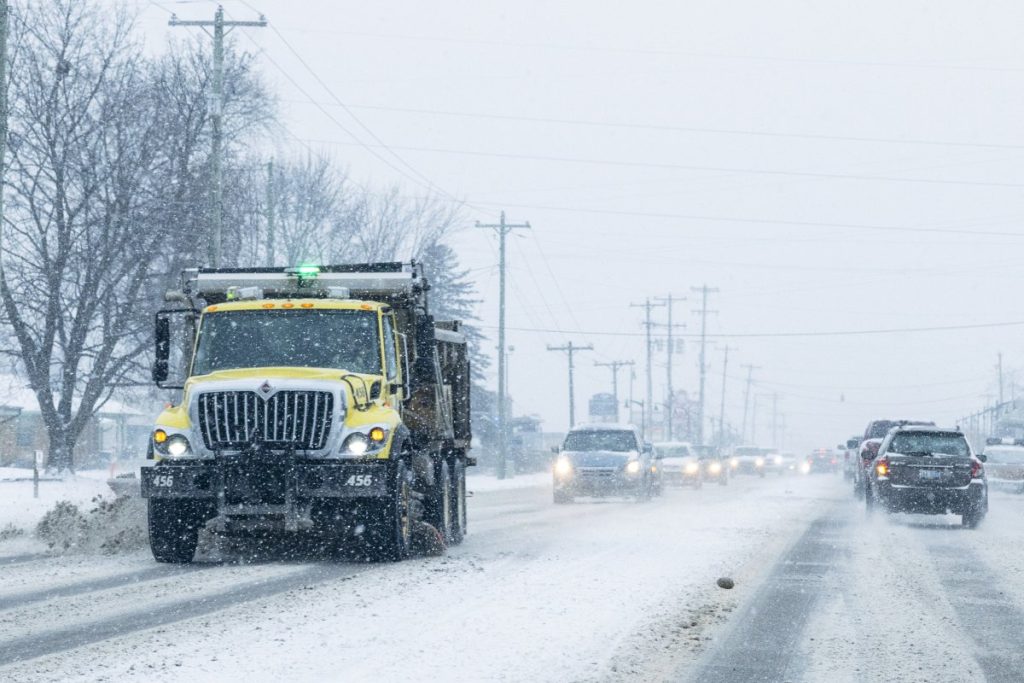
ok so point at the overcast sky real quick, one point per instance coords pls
(829, 166)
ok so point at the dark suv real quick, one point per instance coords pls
(930, 471)
(868, 447)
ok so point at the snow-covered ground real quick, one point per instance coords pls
(602, 590)
(22, 511)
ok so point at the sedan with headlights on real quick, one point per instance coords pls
(680, 465)
(748, 460)
(603, 460)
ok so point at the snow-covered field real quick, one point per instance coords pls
(602, 590)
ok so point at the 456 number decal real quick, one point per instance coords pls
(359, 480)
(164, 481)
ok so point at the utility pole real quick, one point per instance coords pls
(4, 12)
(570, 349)
(271, 199)
(614, 366)
(775, 420)
(647, 306)
(703, 311)
(670, 402)
(746, 398)
(503, 229)
(217, 118)
(999, 369)
(721, 412)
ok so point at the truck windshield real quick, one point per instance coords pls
(929, 443)
(601, 440)
(342, 339)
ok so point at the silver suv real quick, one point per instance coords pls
(603, 460)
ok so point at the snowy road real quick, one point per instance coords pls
(600, 591)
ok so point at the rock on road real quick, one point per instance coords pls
(597, 591)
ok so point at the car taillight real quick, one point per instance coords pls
(882, 467)
(976, 469)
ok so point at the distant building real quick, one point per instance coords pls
(115, 431)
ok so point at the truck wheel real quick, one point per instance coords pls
(174, 529)
(561, 497)
(389, 532)
(459, 500)
(442, 505)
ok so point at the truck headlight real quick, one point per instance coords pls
(171, 445)
(356, 444)
(563, 467)
(715, 468)
(178, 446)
(778, 459)
(633, 467)
(691, 468)
(759, 462)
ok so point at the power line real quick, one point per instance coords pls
(355, 118)
(491, 43)
(682, 167)
(764, 221)
(684, 129)
(835, 333)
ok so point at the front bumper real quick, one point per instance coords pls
(932, 499)
(598, 482)
(267, 482)
(681, 477)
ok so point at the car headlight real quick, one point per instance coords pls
(691, 468)
(805, 467)
(759, 462)
(735, 462)
(778, 459)
(633, 467)
(563, 467)
(715, 468)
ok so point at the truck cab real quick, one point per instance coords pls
(324, 401)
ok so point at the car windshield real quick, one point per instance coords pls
(674, 451)
(342, 339)
(601, 440)
(931, 443)
(748, 450)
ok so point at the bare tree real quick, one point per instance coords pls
(85, 140)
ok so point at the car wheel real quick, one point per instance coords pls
(562, 498)
(869, 500)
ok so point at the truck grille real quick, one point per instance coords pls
(230, 420)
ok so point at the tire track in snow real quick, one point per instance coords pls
(96, 584)
(762, 644)
(990, 617)
(62, 639)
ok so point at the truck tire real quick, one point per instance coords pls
(389, 531)
(459, 498)
(174, 527)
(441, 510)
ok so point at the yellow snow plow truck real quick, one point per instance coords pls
(318, 400)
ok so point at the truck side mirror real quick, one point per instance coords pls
(169, 342)
(423, 368)
(162, 338)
